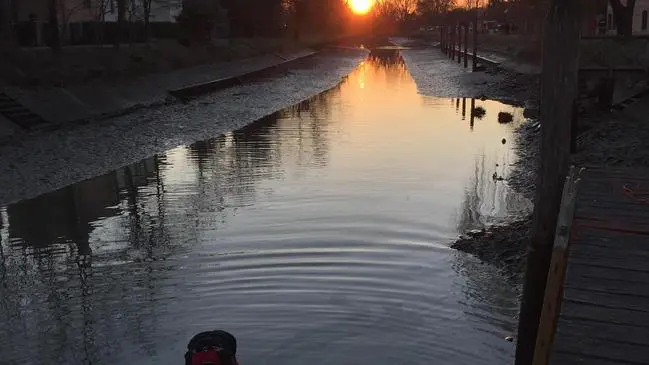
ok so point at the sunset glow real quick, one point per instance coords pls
(361, 6)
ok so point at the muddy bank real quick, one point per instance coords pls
(502, 246)
(506, 246)
(605, 138)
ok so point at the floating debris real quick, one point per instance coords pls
(505, 117)
(504, 141)
(478, 112)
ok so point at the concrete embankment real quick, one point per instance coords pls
(51, 160)
(96, 100)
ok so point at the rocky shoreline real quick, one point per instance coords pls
(506, 246)
(614, 138)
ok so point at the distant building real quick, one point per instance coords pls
(640, 14)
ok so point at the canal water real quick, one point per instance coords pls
(318, 235)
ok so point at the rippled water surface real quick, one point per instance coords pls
(318, 235)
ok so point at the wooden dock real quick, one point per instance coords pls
(604, 315)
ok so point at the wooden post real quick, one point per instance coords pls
(556, 276)
(452, 43)
(472, 118)
(459, 43)
(441, 39)
(466, 45)
(463, 108)
(475, 42)
(55, 36)
(445, 33)
(558, 94)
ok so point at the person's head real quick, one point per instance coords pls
(212, 348)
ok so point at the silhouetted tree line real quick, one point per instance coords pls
(199, 20)
(206, 19)
(202, 20)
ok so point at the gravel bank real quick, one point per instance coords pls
(56, 159)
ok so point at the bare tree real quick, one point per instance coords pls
(392, 14)
(146, 6)
(65, 14)
(475, 4)
(403, 8)
(98, 11)
(434, 7)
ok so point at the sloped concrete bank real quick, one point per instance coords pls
(94, 101)
(52, 160)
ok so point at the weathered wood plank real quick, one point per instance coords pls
(625, 208)
(628, 263)
(605, 312)
(617, 234)
(563, 358)
(577, 270)
(614, 253)
(616, 174)
(587, 310)
(616, 177)
(582, 330)
(608, 285)
(585, 233)
(598, 170)
(630, 229)
(618, 192)
(599, 197)
(602, 349)
(613, 212)
(604, 298)
(616, 246)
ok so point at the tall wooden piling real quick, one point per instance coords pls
(475, 42)
(463, 108)
(451, 45)
(466, 45)
(441, 39)
(472, 114)
(459, 43)
(559, 91)
(444, 39)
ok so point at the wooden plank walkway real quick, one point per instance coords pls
(604, 317)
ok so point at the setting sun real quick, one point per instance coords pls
(361, 6)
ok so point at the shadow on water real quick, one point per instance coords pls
(318, 233)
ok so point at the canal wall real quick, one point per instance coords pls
(50, 160)
(97, 100)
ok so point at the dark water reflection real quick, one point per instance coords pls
(318, 235)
